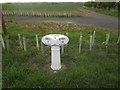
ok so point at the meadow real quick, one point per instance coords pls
(31, 69)
(109, 12)
(43, 9)
(51, 9)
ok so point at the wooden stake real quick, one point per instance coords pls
(107, 38)
(93, 37)
(2, 41)
(90, 48)
(118, 41)
(24, 43)
(20, 41)
(67, 36)
(80, 42)
(37, 42)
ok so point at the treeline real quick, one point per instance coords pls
(104, 5)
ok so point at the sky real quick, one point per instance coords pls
(3, 1)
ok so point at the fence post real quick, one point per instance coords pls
(80, 42)
(20, 41)
(67, 36)
(93, 37)
(33, 13)
(107, 39)
(24, 43)
(118, 41)
(37, 42)
(2, 41)
(90, 46)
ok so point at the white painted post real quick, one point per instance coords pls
(62, 47)
(66, 33)
(107, 39)
(64, 14)
(90, 47)
(118, 41)
(93, 37)
(27, 14)
(40, 14)
(24, 43)
(80, 42)
(20, 41)
(2, 41)
(48, 14)
(21, 13)
(33, 13)
(37, 42)
(5, 12)
(67, 36)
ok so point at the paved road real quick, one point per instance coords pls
(90, 18)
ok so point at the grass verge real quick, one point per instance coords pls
(31, 69)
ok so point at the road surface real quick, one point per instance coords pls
(89, 18)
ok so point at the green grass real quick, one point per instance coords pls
(42, 6)
(54, 9)
(111, 12)
(31, 68)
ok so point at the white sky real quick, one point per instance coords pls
(3, 1)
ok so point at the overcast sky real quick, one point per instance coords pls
(45, 0)
(3, 1)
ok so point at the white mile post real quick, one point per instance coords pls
(90, 46)
(55, 41)
(37, 42)
(20, 41)
(80, 42)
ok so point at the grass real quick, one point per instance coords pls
(53, 9)
(42, 6)
(111, 12)
(31, 69)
